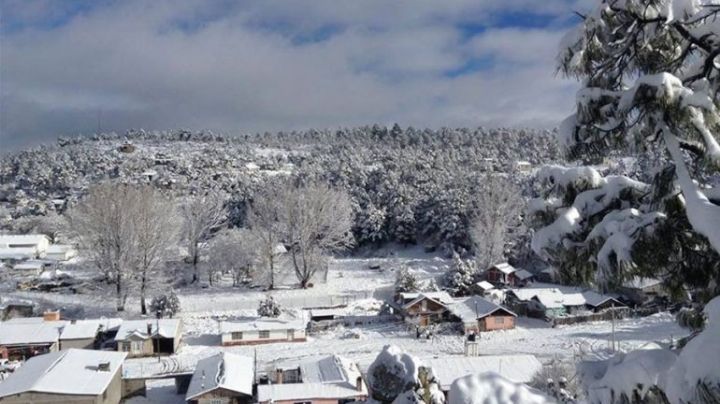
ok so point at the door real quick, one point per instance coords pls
(424, 321)
(290, 335)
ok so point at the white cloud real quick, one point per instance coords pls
(251, 68)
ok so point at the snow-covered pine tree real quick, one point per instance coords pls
(269, 308)
(649, 81)
(406, 281)
(461, 276)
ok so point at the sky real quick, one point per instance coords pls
(73, 67)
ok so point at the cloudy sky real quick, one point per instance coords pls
(67, 67)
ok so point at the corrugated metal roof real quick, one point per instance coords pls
(224, 370)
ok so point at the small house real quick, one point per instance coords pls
(479, 315)
(88, 334)
(60, 252)
(73, 376)
(23, 338)
(523, 277)
(30, 267)
(425, 308)
(517, 368)
(262, 330)
(326, 314)
(149, 337)
(501, 274)
(37, 242)
(483, 287)
(549, 302)
(523, 166)
(641, 290)
(222, 378)
(330, 380)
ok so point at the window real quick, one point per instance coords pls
(236, 335)
(218, 401)
(137, 346)
(263, 334)
(499, 320)
(423, 305)
(125, 347)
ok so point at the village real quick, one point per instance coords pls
(313, 345)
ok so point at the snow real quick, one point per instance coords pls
(505, 268)
(641, 283)
(12, 333)
(404, 364)
(491, 388)
(223, 371)
(516, 368)
(38, 240)
(485, 285)
(74, 371)
(168, 328)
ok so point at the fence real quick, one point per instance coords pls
(606, 315)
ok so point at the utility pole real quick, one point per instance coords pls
(612, 308)
(157, 333)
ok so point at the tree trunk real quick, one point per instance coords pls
(196, 258)
(120, 306)
(272, 272)
(143, 308)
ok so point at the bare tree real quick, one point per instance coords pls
(317, 222)
(103, 224)
(233, 251)
(265, 222)
(202, 215)
(155, 227)
(499, 204)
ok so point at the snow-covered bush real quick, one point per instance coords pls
(269, 308)
(166, 305)
(392, 374)
(491, 388)
(406, 281)
(557, 379)
(461, 276)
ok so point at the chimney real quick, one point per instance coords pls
(104, 367)
(278, 376)
(359, 383)
(51, 315)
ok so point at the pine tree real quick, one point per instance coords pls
(461, 276)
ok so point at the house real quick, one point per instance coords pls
(523, 166)
(641, 290)
(87, 334)
(330, 380)
(222, 378)
(262, 330)
(424, 308)
(478, 314)
(23, 338)
(149, 337)
(30, 267)
(523, 277)
(547, 275)
(517, 368)
(501, 274)
(550, 301)
(60, 252)
(483, 287)
(17, 254)
(73, 376)
(37, 242)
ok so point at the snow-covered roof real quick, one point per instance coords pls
(566, 297)
(74, 371)
(222, 371)
(168, 328)
(30, 265)
(329, 377)
(517, 368)
(474, 307)
(15, 239)
(491, 388)
(642, 283)
(28, 333)
(441, 297)
(262, 324)
(505, 268)
(523, 274)
(59, 249)
(17, 253)
(83, 329)
(485, 285)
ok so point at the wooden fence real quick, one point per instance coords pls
(353, 321)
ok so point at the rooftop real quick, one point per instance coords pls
(263, 324)
(75, 371)
(474, 307)
(168, 328)
(224, 370)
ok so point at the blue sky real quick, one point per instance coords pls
(233, 67)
